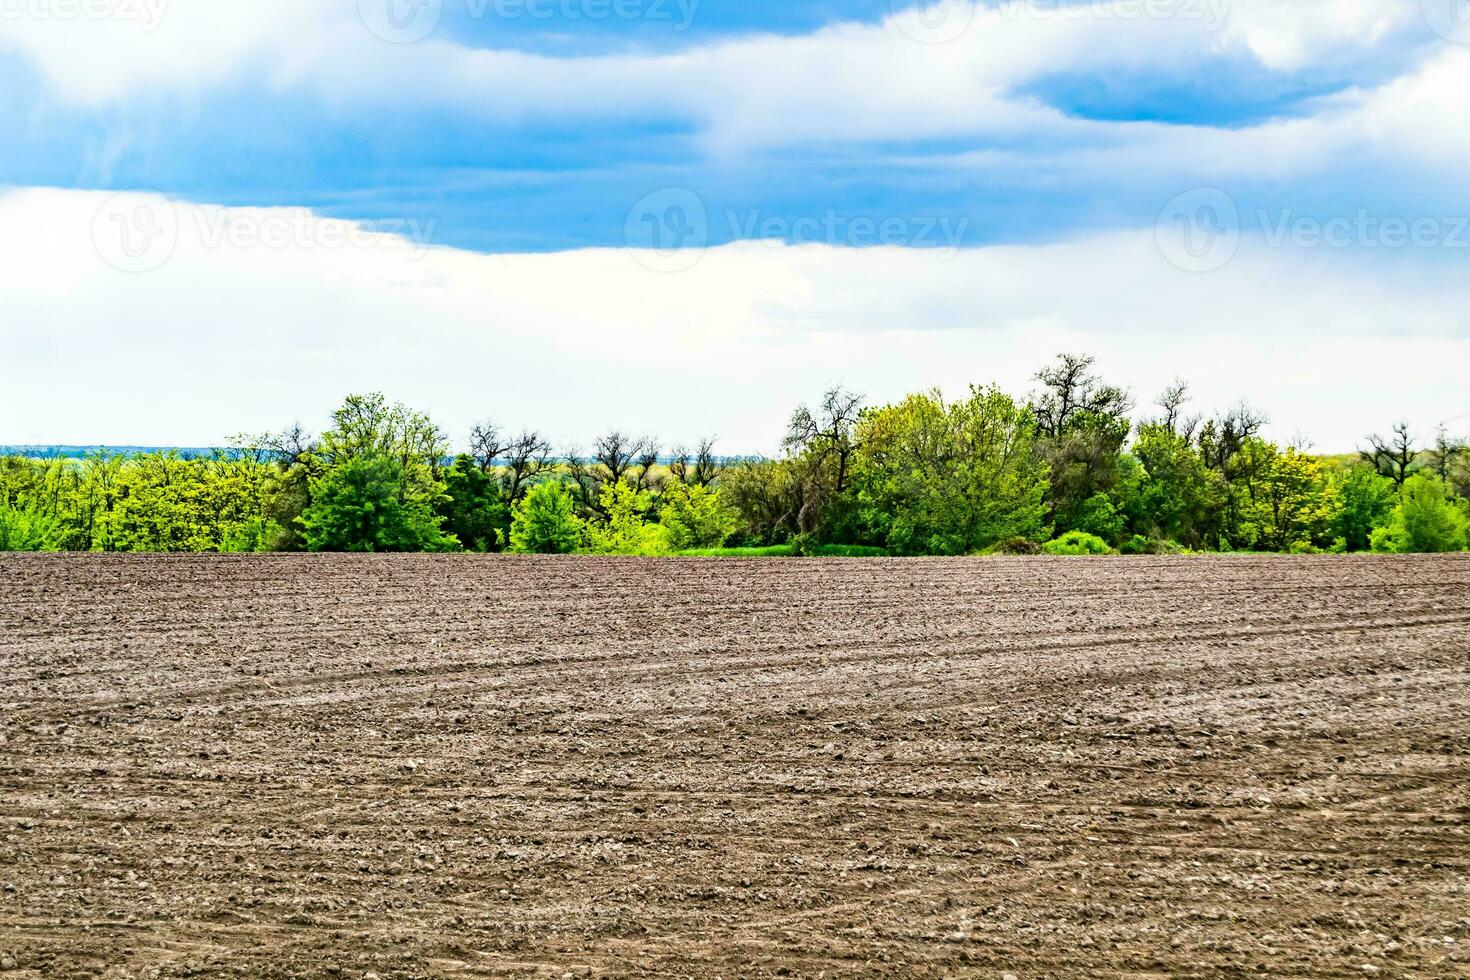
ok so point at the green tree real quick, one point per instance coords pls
(1081, 426)
(255, 536)
(359, 506)
(767, 494)
(28, 530)
(368, 426)
(696, 516)
(949, 479)
(473, 508)
(1290, 504)
(166, 503)
(1426, 520)
(1364, 501)
(1097, 516)
(543, 522)
(621, 526)
(1176, 491)
(820, 447)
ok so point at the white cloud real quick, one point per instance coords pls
(224, 337)
(846, 81)
(1416, 123)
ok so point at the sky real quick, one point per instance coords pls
(683, 217)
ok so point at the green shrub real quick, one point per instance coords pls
(1097, 515)
(696, 517)
(543, 522)
(362, 505)
(805, 545)
(1077, 543)
(255, 536)
(625, 530)
(1426, 520)
(1140, 544)
(473, 507)
(1018, 546)
(1364, 501)
(28, 530)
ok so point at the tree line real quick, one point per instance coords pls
(1066, 470)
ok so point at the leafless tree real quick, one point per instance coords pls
(1394, 456)
(1071, 389)
(1448, 451)
(584, 479)
(1172, 402)
(706, 465)
(701, 468)
(292, 445)
(643, 464)
(1222, 437)
(486, 446)
(251, 449)
(829, 434)
(615, 454)
(679, 464)
(526, 457)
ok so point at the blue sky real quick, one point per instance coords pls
(552, 177)
(540, 127)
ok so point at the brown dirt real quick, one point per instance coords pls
(289, 766)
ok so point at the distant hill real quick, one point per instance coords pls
(76, 452)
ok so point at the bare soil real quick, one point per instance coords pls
(435, 766)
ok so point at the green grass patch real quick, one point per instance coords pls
(775, 551)
(849, 551)
(787, 551)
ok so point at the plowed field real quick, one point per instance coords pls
(437, 766)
